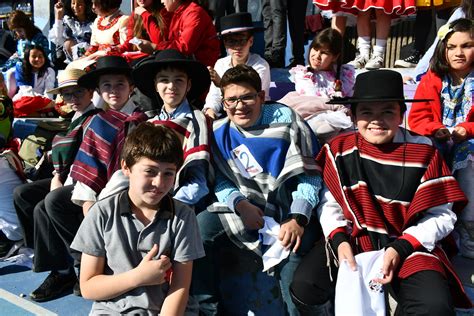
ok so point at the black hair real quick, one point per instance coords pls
(241, 74)
(107, 5)
(329, 38)
(26, 66)
(90, 15)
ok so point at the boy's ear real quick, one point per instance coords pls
(125, 169)
(251, 40)
(190, 84)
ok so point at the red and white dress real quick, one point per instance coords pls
(108, 32)
(391, 7)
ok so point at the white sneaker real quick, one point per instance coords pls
(375, 62)
(360, 61)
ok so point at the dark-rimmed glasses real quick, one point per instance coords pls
(79, 93)
(248, 99)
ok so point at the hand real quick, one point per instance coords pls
(55, 183)
(442, 134)
(251, 215)
(344, 252)
(59, 10)
(97, 54)
(139, 10)
(459, 134)
(391, 259)
(210, 114)
(146, 46)
(215, 78)
(152, 271)
(290, 234)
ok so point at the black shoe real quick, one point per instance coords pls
(5, 244)
(409, 62)
(76, 290)
(53, 286)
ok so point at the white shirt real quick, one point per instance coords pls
(214, 97)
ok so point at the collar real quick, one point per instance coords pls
(129, 107)
(90, 107)
(183, 110)
(165, 209)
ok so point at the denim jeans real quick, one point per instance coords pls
(206, 270)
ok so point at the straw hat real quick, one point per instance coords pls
(67, 78)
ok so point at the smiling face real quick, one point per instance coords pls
(460, 53)
(79, 9)
(246, 112)
(321, 58)
(36, 59)
(378, 122)
(172, 85)
(171, 5)
(150, 181)
(115, 90)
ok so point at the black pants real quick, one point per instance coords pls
(426, 27)
(56, 221)
(25, 198)
(423, 293)
(296, 23)
(274, 22)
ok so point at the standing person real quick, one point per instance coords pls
(138, 245)
(385, 188)
(71, 31)
(35, 202)
(263, 154)
(449, 115)
(237, 34)
(191, 31)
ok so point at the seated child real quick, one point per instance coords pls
(387, 188)
(41, 203)
(264, 159)
(138, 245)
(237, 35)
(323, 79)
(448, 116)
(177, 82)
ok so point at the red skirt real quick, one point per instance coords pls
(390, 7)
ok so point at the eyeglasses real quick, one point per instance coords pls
(67, 96)
(248, 99)
(233, 42)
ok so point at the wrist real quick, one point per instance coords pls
(300, 219)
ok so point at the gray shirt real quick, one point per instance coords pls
(112, 230)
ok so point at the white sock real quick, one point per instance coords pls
(380, 46)
(363, 44)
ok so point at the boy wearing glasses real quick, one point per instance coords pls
(264, 160)
(35, 201)
(237, 34)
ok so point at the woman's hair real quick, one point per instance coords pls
(26, 66)
(90, 15)
(329, 38)
(18, 19)
(138, 29)
(439, 63)
(107, 5)
(467, 8)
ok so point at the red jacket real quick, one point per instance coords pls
(192, 33)
(425, 118)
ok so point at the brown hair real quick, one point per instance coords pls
(241, 74)
(155, 10)
(155, 142)
(18, 19)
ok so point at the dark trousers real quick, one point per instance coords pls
(56, 221)
(274, 22)
(25, 198)
(296, 24)
(423, 293)
(426, 27)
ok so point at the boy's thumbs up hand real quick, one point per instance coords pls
(152, 271)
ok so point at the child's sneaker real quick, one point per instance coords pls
(360, 61)
(409, 62)
(375, 62)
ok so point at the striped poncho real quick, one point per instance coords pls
(99, 155)
(384, 189)
(284, 148)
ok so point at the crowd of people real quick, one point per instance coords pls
(173, 153)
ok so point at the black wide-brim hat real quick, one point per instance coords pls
(145, 71)
(377, 86)
(107, 65)
(237, 22)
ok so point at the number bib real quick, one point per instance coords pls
(246, 163)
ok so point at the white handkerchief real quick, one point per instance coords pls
(276, 252)
(356, 293)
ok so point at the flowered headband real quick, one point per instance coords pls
(444, 31)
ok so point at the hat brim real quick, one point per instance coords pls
(240, 29)
(144, 76)
(369, 100)
(90, 79)
(58, 89)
